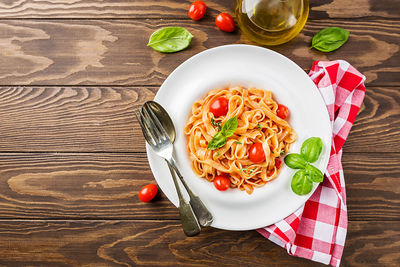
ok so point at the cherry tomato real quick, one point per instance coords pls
(256, 153)
(197, 10)
(222, 182)
(219, 107)
(148, 192)
(278, 163)
(225, 22)
(282, 111)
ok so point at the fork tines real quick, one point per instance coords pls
(154, 123)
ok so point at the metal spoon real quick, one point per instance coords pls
(203, 215)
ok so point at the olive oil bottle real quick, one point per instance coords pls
(271, 22)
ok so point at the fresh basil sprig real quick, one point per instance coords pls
(295, 161)
(302, 181)
(329, 39)
(311, 149)
(170, 39)
(314, 173)
(228, 129)
(301, 184)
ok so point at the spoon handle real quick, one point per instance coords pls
(202, 213)
(189, 221)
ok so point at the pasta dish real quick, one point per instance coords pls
(237, 136)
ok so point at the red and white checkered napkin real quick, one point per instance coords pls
(317, 231)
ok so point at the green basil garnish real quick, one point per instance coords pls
(314, 173)
(311, 149)
(295, 161)
(170, 39)
(228, 129)
(217, 141)
(302, 180)
(329, 39)
(301, 183)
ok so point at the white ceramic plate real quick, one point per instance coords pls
(247, 66)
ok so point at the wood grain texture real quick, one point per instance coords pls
(178, 8)
(149, 243)
(105, 186)
(100, 119)
(114, 52)
(76, 208)
(71, 119)
(377, 126)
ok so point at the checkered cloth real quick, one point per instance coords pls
(317, 231)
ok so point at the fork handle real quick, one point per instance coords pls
(188, 218)
(202, 213)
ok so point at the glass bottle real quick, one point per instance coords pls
(271, 22)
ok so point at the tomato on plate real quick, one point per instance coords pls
(282, 111)
(225, 22)
(219, 107)
(148, 192)
(222, 182)
(197, 10)
(256, 153)
(278, 163)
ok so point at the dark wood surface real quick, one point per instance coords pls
(72, 156)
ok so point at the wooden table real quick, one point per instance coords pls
(73, 158)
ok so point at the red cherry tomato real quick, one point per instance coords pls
(256, 153)
(282, 111)
(225, 22)
(197, 10)
(219, 107)
(222, 182)
(148, 192)
(278, 163)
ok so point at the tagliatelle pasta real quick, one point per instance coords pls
(258, 122)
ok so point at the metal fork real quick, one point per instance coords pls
(203, 215)
(158, 143)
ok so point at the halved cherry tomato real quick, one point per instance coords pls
(219, 107)
(222, 182)
(278, 163)
(197, 10)
(148, 192)
(225, 22)
(256, 153)
(282, 111)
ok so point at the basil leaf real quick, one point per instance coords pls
(314, 173)
(329, 39)
(311, 149)
(301, 183)
(170, 39)
(217, 141)
(295, 161)
(229, 127)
